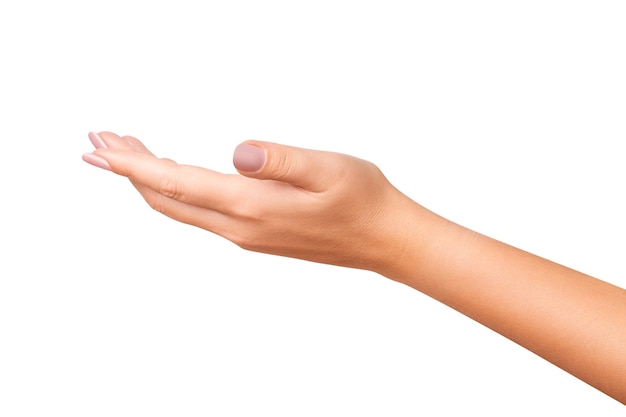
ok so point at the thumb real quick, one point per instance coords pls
(304, 168)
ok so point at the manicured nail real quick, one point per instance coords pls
(248, 158)
(96, 140)
(96, 161)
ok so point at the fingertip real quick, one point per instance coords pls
(97, 161)
(114, 141)
(96, 140)
(249, 158)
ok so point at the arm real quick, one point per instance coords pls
(336, 209)
(573, 320)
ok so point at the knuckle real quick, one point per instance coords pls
(250, 211)
(249, 235)
(171, 187)
(283, 166)
(157, 202)
(246, 211)
(244, 243)
(248, 242)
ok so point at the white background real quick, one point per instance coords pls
(506, 117)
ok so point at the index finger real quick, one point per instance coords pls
(185, 183)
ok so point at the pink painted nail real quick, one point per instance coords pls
(248, 157)
(96, 161)
(96, 140)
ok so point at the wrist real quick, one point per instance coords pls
(414, 240)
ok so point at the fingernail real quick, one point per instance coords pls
(96, 140)
(96, 161)
(248, 158)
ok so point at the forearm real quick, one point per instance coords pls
(573, 320)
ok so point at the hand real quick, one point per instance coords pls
(333, 208)
(319, 206)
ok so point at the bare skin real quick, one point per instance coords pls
(337, 209)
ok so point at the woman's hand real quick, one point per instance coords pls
(319, 206)
(336, 209)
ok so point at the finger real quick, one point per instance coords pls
(187, 184)
(191, 214)
(96, 140)
(207, 219)
(215, 222)
(137, 145)
(114, 141)
(109, 140)
(305, 168)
